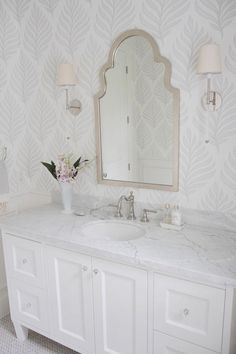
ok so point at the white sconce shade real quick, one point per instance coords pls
(66, 75)
(209, 60)
(209, 63)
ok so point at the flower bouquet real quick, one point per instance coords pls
(65, 172)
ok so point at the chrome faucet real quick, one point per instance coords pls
(131, 214)
(118, 213)
(130, 199)
(144, 218)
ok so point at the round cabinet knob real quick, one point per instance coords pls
(95, 271)
(24, 260)
(28, 306)
(186, 312)
(84, 268)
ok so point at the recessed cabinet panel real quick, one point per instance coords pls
(70, 289)
(24, 260)
(120, 305)
(189, 311)
(164, 344)
(28, 304)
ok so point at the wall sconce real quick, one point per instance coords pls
(66, 77)
(210, 63)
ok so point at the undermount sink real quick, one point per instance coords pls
(112, 230)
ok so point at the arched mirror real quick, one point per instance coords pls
(137, 116)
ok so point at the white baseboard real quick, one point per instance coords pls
(4, 305)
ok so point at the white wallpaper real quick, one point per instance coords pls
(36, 35)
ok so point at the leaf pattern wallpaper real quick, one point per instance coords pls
(37, 35)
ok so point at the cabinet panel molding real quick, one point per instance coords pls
(29, 304)
(120, 308)
(70, 291)
(164, 344)
(24, 260)
(189, 311)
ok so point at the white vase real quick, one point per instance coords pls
(66, 196)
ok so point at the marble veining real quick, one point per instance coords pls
(195, 253)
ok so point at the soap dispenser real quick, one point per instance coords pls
(176, 216)
(167, 216)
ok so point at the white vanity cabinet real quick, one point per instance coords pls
(85, 303)
(97, 306)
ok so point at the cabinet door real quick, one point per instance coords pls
(120, 308)
(164, 344)
(189, 311)
(28, 304)
(70, 291)
(24, 260)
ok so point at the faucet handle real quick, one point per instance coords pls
(144, 218)
(131, 196)
(131, 214)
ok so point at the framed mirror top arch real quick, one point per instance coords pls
(137, 116)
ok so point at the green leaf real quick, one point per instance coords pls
(51, 168)
(77, 162)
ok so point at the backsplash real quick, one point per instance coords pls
(36, 35)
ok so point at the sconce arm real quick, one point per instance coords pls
(74, 107)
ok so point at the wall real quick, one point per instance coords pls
(36, 35)
(4, 305)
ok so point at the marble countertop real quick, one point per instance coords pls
(196, 253)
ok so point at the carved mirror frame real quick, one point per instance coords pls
(176, 113)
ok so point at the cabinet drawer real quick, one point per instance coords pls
(189, 311)
(28, 304)
(24, 260)
(164, 344)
